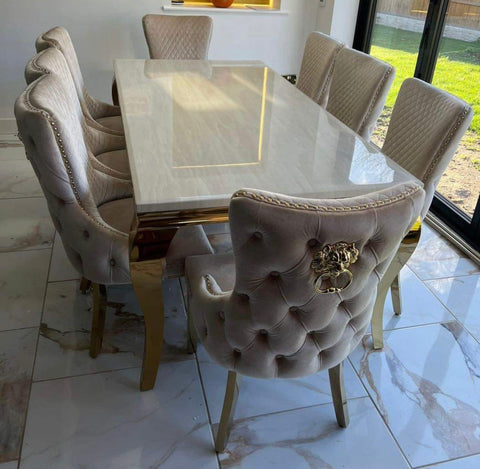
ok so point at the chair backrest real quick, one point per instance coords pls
(275, 323)
(49, 120)
(360, 84)
(59, 38)
(317, 66)
(425, 129)
(52, 61)
(177, 37)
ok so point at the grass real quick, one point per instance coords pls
(458, 66)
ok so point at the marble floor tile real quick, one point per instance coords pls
(65, 331)
(310, 438)
(17, 351)
(426, 385)
(102, 421)
(461, 295)
(60, 267)
(258, 396)
(472, 462)
(419, 305)
(26, 225)
(17, 179)
(12, 151)
(435, 257)
(23, 277)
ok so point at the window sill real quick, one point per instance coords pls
(233, 9)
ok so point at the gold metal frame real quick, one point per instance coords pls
(390, 281)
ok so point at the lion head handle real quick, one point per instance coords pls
(331, 263)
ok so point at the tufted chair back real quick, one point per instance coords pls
(360, 84)
(274, 323)
(49, 120)
(52, 61)
(178, 37)
(317, 66)
(426, 127)
(59, 38)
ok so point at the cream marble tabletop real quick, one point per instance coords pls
(197, 131)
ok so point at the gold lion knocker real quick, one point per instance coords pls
(331, 263)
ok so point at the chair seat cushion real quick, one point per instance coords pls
(111, 122)
(117, 160)
(188, 240)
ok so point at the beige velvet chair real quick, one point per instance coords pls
(91, 210)
(360, 84)
(106, 115)
(296, 296)
(177, 37)
(317, 66)
(109, 150)
(425, 129)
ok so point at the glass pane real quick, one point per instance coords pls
(458, 72)
(396, 39)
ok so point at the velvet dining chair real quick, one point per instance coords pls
(318, 61)
(296, 295)
(425, 129)
(359, 88)
(106, 115)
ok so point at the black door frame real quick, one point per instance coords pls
(444, 209)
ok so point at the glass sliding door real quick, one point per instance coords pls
(458, 72)
(437, 41)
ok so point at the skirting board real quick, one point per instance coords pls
(8, 126)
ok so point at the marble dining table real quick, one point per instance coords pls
(198, 131)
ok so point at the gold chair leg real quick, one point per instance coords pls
(85, 285)
(147, 282)
(98, 318)
(337, 386)
(405, 251)
(228, 411)
(396, 296)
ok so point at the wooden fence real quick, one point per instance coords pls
(462, 13)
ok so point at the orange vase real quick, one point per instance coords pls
(222, 3)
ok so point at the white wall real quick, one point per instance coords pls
(338, 19)
(105, 29)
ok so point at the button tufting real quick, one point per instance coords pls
(293, 309)
(244, 296)
(312, 243)
(258, 235)
(275, 274)
(86, 234)
(279, 357)
(263, 332)
(221, 315)
(113, 262)
(236, 353)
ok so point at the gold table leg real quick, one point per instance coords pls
(390, 279)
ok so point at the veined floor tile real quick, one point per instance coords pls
(461, 295)
(17, 351)
(60, 267)
(435, 257)
(472, 462)
(310, 439)
(23, 279)
(102, 421)
(65, 331)
(419, 305)
(17, 179)
(426, 384)
(259, 396)
(12, 151)
(26, 225)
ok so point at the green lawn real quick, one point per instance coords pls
(458, 66)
